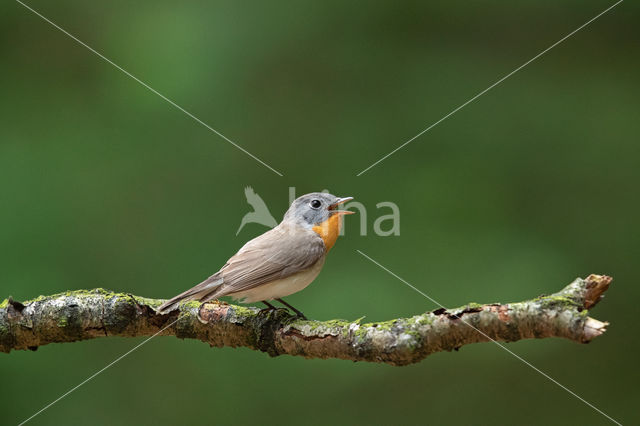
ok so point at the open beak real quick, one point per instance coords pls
(334, 206)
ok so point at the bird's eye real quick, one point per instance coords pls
(315, 204)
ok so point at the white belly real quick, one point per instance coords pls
(280, 288)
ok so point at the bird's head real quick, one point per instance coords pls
(315, 209)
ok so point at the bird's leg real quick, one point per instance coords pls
(269, 307)
(300, 314)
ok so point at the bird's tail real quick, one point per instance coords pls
(199, 292)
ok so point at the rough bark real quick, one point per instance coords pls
(88, 314)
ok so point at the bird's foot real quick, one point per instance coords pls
(300, 315)
(270, 308)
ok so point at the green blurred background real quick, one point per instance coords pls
(104, 184)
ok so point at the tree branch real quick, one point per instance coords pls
(88, 314)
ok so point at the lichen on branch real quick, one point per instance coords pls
(88, 314)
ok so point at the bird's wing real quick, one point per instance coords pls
(276, 254)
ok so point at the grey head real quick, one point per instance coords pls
(315, 208)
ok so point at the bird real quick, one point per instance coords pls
(278, 263)
(260, 213)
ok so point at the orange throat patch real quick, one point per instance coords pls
(329, 230)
